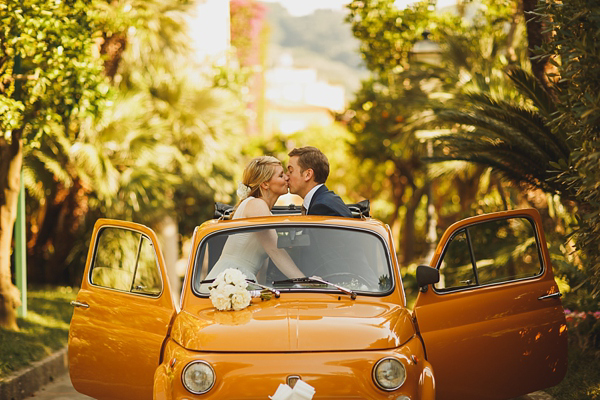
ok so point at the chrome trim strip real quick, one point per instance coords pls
(89, 276)
(443, 292)
(198, 362)
(375, 379)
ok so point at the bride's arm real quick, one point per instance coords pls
(268, 239)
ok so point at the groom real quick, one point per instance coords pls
(308, 170)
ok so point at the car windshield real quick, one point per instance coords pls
(354, 259)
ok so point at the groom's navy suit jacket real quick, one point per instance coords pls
(326, 202)
(324, 250)
(328, 254)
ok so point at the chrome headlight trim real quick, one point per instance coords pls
(378, 364)
(192, 363)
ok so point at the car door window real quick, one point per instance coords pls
(456, 268)
(147, 278)
(126, 260)
(491, 252)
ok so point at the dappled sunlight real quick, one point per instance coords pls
(47, 320)
(563, 329)
(43, 331)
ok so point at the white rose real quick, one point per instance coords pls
(229, 290)
(218, 280)
(235, 277)
(220, 300)
(240, 299)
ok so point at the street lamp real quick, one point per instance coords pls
(426, 51)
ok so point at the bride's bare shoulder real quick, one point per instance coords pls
(256, 207)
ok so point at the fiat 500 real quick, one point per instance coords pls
(487, 322)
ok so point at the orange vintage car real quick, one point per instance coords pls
(487, 323)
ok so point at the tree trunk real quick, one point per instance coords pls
(408, 231)
(11, 160)
(514, 25)
(53, 243)
(431, 225)
(168, 234)
(398, 189)
(535, 38)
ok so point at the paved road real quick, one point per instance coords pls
(60, 389)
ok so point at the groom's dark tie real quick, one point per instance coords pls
(303, 210)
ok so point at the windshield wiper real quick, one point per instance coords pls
(313, 279)
(276, 292)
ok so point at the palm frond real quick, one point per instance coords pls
(525, 121)
(501, 151)
(531, 88)
(54, 166)
(494, 130)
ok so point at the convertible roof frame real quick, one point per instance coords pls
(361, 209)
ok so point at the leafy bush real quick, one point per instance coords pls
(574, 51)
(584, 329)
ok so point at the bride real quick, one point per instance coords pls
(264, 180)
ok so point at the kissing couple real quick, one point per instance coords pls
(263, 181)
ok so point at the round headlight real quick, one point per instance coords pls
(389, 374)
(198, 377)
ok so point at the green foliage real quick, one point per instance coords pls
(498, 112)
(44, 330)
(386, 32)
(135, 133)
(165, 137)
(393, 105)
(48, 72)
(574, 51)
(510, 136)
(166, 142)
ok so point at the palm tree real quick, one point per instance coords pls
(510, 136)
(165, 130)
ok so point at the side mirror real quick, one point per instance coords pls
(426, 275)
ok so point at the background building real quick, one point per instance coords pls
(297, 98)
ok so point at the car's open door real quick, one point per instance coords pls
(122, 313)
(493, 325)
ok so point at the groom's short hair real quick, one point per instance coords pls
(313, 158)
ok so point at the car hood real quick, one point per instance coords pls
(276, 326)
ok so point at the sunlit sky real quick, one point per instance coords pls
(304, 7)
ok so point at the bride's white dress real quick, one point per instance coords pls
(241, 251)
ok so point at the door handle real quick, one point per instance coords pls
(550, 296)
(79, 304)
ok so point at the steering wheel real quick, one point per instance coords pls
(350, 275)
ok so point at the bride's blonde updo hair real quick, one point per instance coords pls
(259, 170)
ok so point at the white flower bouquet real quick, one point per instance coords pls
(228, 291)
